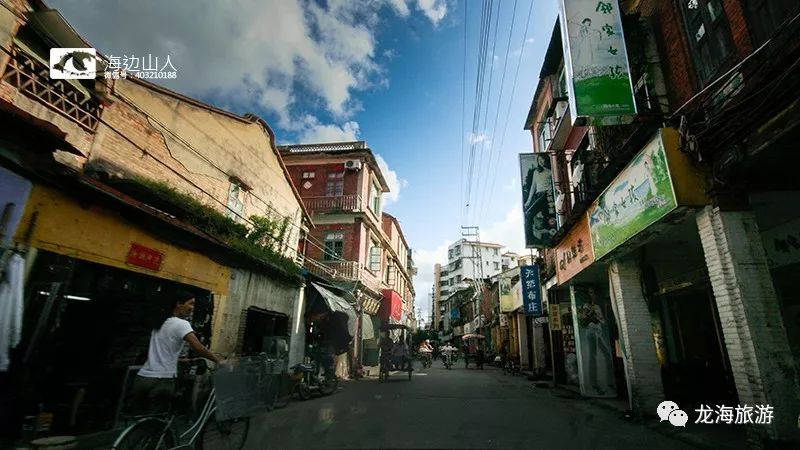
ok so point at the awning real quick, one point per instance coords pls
(367, 330)
(338, 304)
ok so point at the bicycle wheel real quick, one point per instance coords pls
(145, 435)
(328, 386)
(230, 434)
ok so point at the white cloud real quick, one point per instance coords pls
(392, 179)
(310, 130)
(478, 138)
(401, 7)
(508, 231)
(435, 10)
(425, 259)
(247, 54)
(530, 40)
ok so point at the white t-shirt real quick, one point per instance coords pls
(165, 348)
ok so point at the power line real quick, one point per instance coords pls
(463, 112)
(511, 100)
(483, 48)
(488, 103)
(497, 114)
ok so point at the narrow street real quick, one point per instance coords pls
(450, 409)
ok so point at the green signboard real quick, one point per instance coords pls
(596, 60)
(640, 195)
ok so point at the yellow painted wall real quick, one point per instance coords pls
(99, 235)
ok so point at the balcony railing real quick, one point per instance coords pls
(333, 203)
(32, 77)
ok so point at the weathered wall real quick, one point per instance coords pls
(250, 289)
(196, 149)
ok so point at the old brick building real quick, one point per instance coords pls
(117, 193)
(354, 242)
(691, 277)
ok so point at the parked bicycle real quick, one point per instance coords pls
(174, 432)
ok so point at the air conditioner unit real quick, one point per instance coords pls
(352, 164)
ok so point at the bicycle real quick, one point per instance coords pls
(205, 432)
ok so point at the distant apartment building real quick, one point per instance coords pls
(467, 261)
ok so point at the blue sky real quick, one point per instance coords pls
(385, 71)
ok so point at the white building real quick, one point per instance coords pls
(508, 260)
(466, 261)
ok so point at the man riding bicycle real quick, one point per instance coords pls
(154, 385)
(426, 350)
(447, 354)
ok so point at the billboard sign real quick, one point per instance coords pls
(531, 290)
(574, 253)
(639, 196)
(596, 60)
(538, 200)
(508, 301)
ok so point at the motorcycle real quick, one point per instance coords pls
(309, 378)
(511, 367)
(427, 360)
(447, 357)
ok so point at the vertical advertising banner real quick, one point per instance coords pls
(538, 201)
(508, 301)
(531, 291)
(596, 60)
(593, 339)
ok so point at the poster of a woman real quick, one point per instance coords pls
(595, 355)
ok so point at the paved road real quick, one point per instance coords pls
(459, 408)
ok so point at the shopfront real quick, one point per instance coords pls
(643, 230)
(95, 286)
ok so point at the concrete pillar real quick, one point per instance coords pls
(642, 370)
(522, 328)
(297, 339)
(749, 312)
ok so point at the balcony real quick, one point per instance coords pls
(332, 204)
(344, 270)
(32, 77)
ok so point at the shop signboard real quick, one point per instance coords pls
(639, 196)
(593, 340)
(531, 290)
(538, 200)
(555, 317)
(508, 301)
(596, 61)
(141, 256)
(574, 253)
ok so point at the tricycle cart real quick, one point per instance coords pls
(395, 348)
(474, 349)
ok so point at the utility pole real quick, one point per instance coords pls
(477, 264)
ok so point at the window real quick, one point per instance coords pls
(391, 272)
(334, 246)
(335, 184)
(767, 15)
(375, 199)
(375, 257)
(308, 175)
(709, 35)
(235, 203)
(458, 278)
(544, 135)
(496, 265)
(496, 252)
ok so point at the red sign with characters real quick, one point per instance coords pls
(392, 305)
(142, 256)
